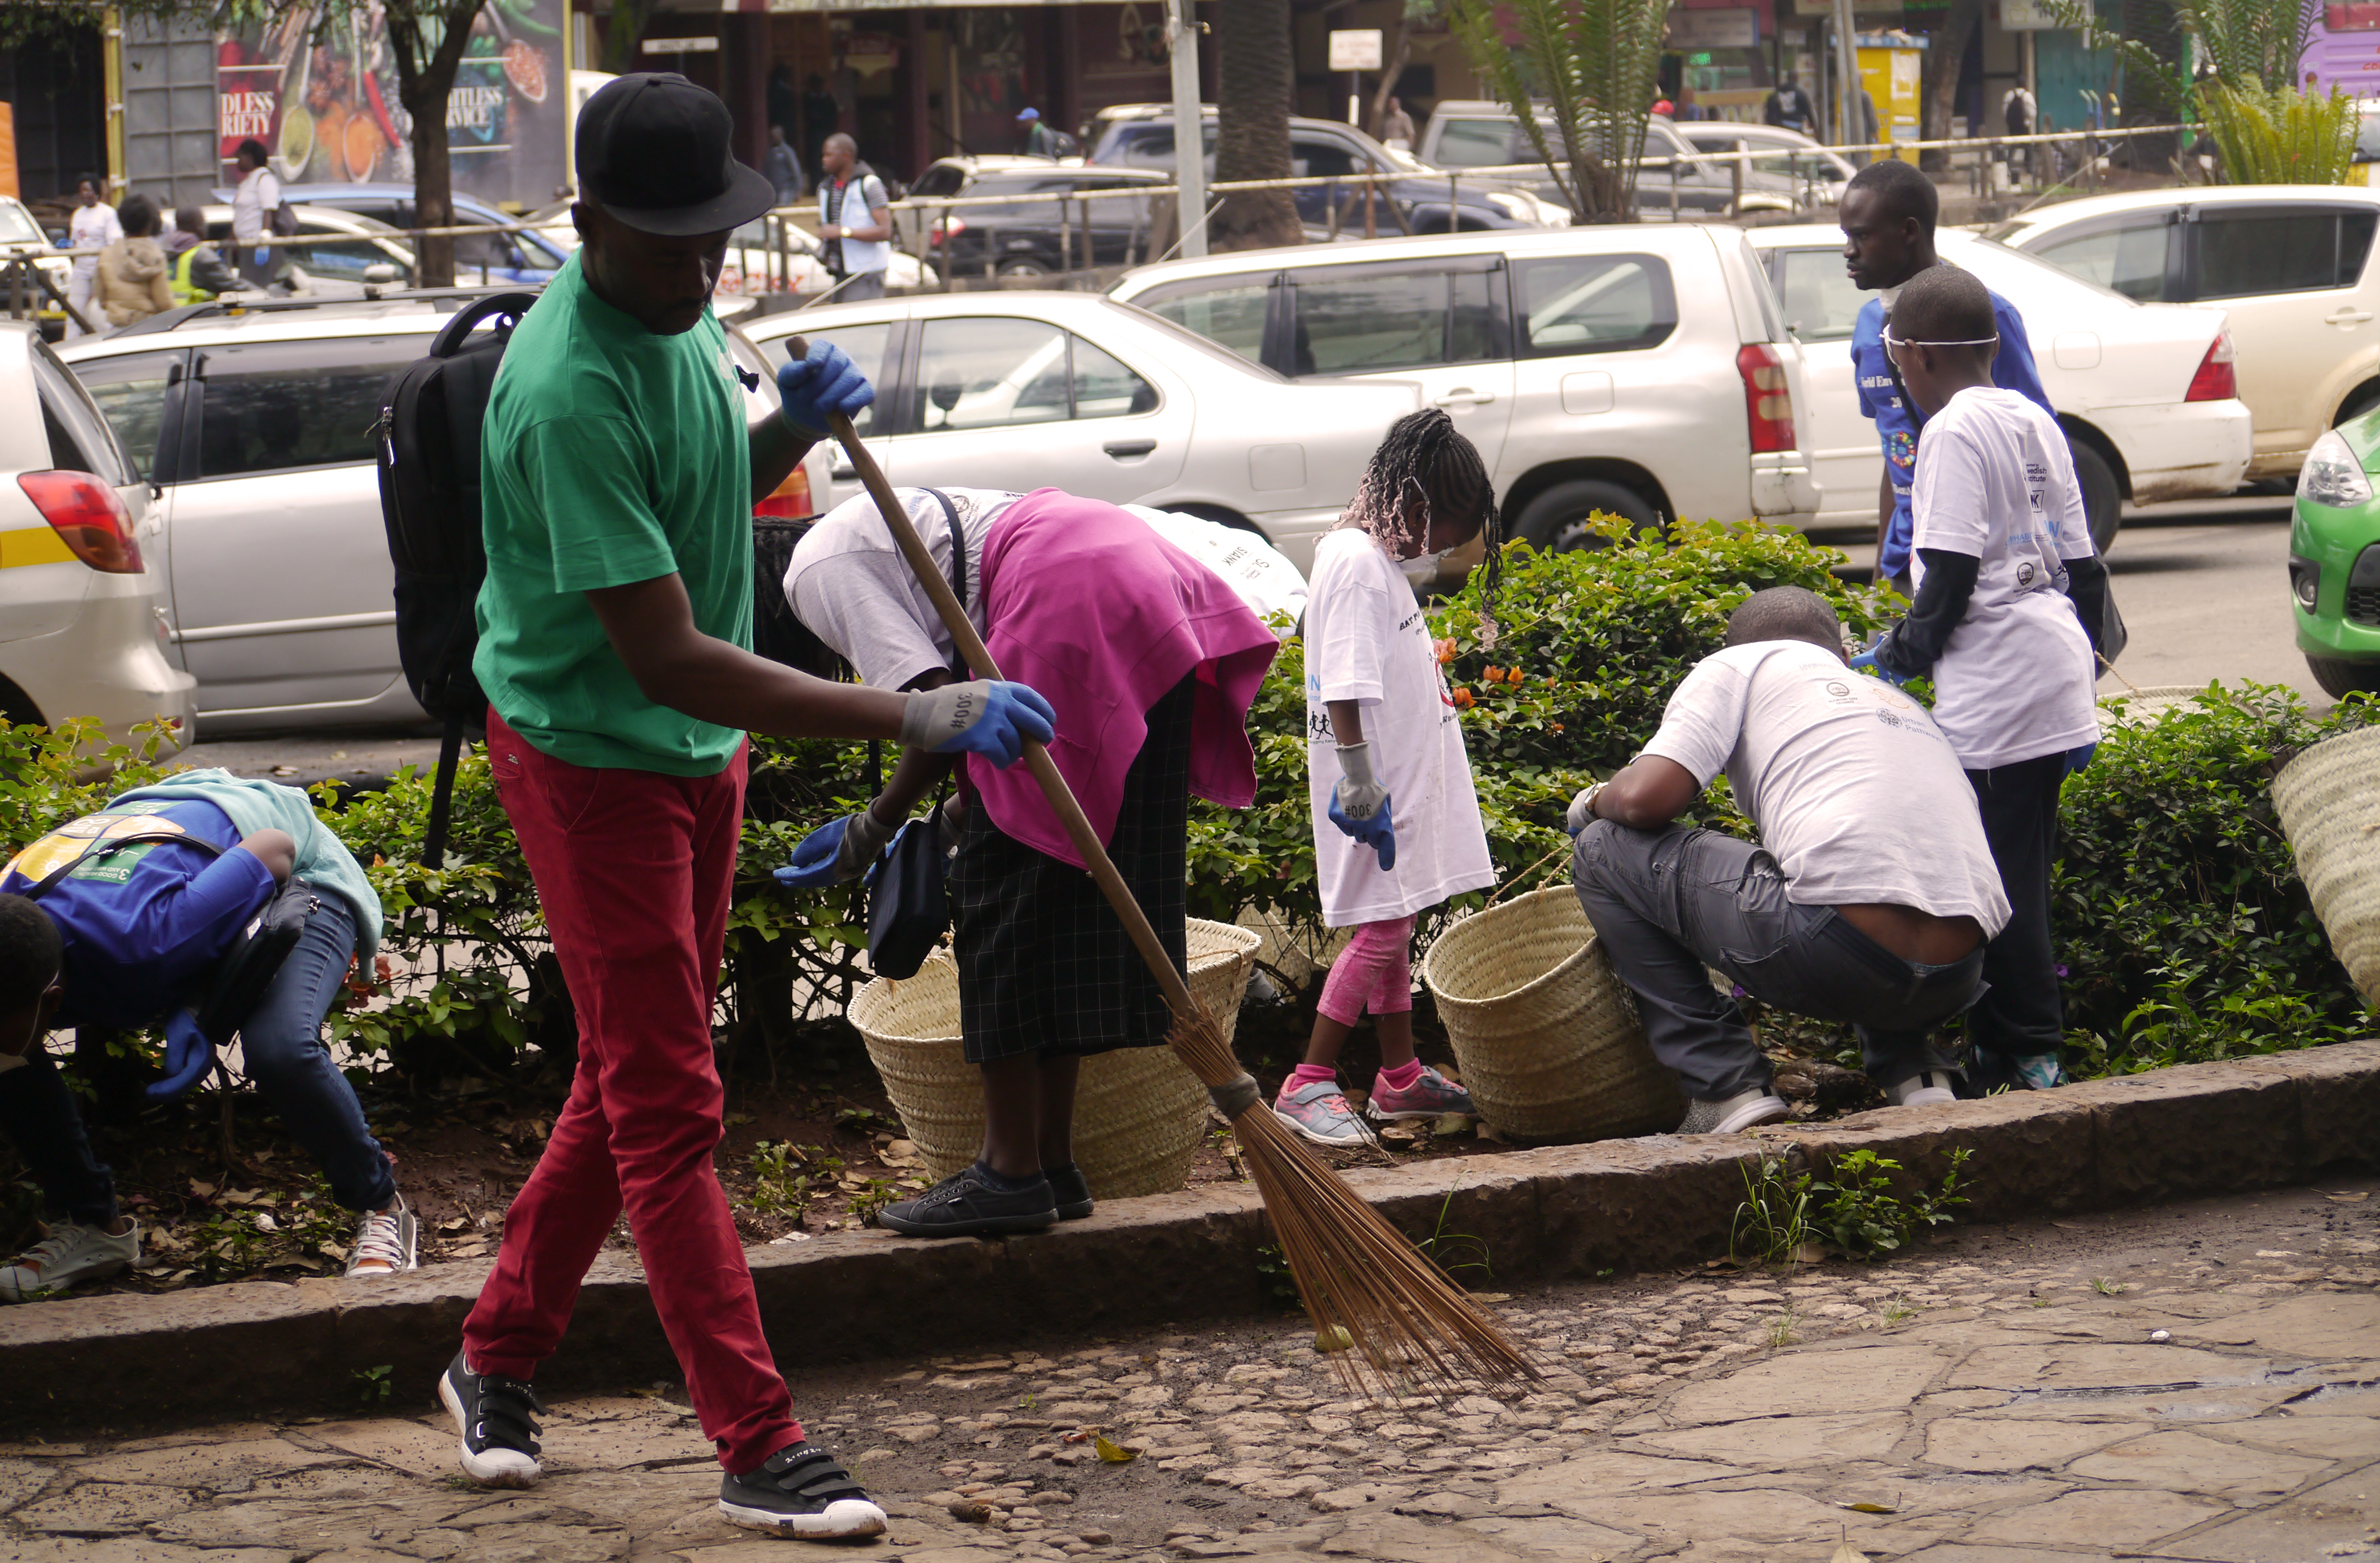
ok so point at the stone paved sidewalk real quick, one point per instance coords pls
(2197, 1382)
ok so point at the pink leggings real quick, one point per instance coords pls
(1374, 972)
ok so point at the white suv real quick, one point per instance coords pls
(1641, 371)
(80, 622)
(256, 428)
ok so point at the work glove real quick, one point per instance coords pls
(1359, 804)
(2080, 758)
(837, 853)
(189, 1056)
(826, 381)
(1866, 662)
(1582, 808)
(987, 718)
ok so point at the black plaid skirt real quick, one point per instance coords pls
(1045, 966)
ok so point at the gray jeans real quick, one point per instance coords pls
(1669, 903)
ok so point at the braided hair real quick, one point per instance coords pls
(1426, 456)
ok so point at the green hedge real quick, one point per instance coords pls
(2183, 924)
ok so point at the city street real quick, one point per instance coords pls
(2195, 1381)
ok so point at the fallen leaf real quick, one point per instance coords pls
(1867, 1508)
(1491, 1297)
(1115, 1453)
(204, 1191)
(1334, 1338)
(2356, 1198)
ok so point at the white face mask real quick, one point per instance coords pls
(1425, 568)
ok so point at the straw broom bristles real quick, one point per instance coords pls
(1411, 1326)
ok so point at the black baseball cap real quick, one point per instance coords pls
(653, 151)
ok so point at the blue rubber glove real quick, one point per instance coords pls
(2081, 758)
(1378, 832)
(985, 717)
(826, 382)
(189, 1056)
(1866, 662)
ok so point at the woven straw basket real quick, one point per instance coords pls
(1138, 1113)
(2328, 799)
(1544, 1034)
(2149, 705)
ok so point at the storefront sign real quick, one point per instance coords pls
(708, 46)
(2028, 15)
(1356, 49)
(1730, 28)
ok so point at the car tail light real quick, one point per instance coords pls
(945, 227)
(1767, 402)
(791, 500)
(88, 517)
(2216, 380)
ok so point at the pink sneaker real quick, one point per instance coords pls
(1319, 1113)
(1431, 1095)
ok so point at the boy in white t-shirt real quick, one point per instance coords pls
(1396, 822)
(2011, 599)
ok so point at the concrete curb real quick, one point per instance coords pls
(1555, 1212)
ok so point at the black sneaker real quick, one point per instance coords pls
(1071, 1190)
(966, 1204)
(801, 1492)
(492, 1414)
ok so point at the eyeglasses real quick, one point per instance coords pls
(1892, 342)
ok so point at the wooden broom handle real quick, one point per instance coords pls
(1036, 758)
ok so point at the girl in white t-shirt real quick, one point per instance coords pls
(92, 226)
(1396, 823)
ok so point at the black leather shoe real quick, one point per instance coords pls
(1071, 1190)
(968, 1206)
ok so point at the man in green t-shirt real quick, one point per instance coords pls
(618, 477)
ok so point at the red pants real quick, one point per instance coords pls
(634, 871)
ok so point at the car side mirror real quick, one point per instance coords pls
(380, 272)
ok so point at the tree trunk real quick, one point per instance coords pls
(1252, 104)
(1399, 52)
(423, 85)
(624, 31)
(1945, 62)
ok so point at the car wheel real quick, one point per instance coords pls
(2339, 677)
(1024, 266)
(2103, 497)
(1556, 519)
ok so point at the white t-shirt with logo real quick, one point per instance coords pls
(1855, 790)
(1995, 483)
(1366, 641)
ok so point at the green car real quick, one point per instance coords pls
(2335, 559)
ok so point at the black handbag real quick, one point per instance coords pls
(908, 905)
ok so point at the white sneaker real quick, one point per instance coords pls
(1737, 1113)
(70, 1255)
(1925, 1090)
(386, 1243)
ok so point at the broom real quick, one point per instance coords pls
(1374, 1299)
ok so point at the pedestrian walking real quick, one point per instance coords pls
(1396, 821)
(2011, 599)
(618, 479)
(854, 223)
(253, 202)
(199, 273)
(133, 281)
(92, 225)
(1787, 106)
(121, 921)
(1035, 139)
(1397, 126)
(1151, 660)
(2017, 111)
(1887, 216)
(783, 168)
(1866, 899)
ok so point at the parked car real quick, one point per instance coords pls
(1027, 390)
(344, 252)
(2335, 559)
(1020, 238)
(1141, 135)
(754, 263)
(482, 258)
(1818, 173)
(82, 624)
(259, 431)
(2145, 392)
(1466, 133)
(1566, 358)
(2292, 266)
(23, 239)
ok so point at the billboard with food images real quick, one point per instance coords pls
(317, 87)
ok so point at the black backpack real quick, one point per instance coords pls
(429, 501)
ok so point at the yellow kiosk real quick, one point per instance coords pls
(1890, 66)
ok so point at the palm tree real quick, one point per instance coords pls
(1592, 67)
(1252, 104)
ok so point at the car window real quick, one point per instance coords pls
(2129, 256)
(1351, 323)
(865, 346)
(1474, 143)
(2242, 251)
(130, 391)
(1151, 146)
(1318, 160)
(348, 258)
(16, 225)
(79, 438)
(1230, 313)
(1105, 388)
(987, 372)
(1593, 303)
(278, 406)
(1819, 301)
(941, 179)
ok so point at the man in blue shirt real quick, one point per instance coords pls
(1888, 215)
(115, 922)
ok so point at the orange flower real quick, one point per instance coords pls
(1495, 676)
(1445, 650)
(1461, 698)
